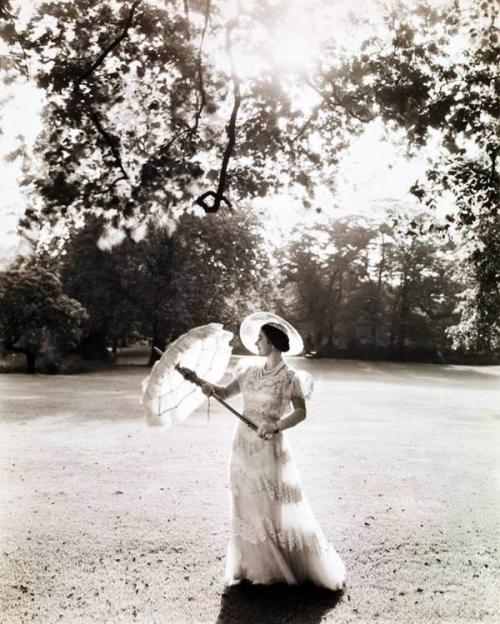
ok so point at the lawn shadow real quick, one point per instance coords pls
(275, 604)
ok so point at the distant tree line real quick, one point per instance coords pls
(368, 290)
(153, 289)
(354, 287)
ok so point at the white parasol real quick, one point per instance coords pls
(167, 396)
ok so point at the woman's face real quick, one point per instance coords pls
(263, 344)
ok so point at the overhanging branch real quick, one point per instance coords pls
(114, 44)
(307, 123)
(111, 141)
(201, 85)
(218, 195)
(333, 98)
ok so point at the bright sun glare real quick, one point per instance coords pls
(292, 50)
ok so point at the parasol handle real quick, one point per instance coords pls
(216, 397)
(240, 416)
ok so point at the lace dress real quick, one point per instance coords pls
(274, 534)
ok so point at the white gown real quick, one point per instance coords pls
(274, 534)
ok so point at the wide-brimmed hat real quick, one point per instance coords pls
(251, 324)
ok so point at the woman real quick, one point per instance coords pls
(274, 534)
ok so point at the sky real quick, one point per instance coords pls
(20, 114)
(374, 171)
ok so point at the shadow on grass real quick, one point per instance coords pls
(275, 604)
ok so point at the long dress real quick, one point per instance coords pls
(274, 534)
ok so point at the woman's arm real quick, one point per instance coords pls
(223, 392)
(226, 392)
(297, 416)
(266, 430)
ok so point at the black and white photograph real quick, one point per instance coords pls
(249, 312)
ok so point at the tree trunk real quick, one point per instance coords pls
(329, 346)
(30, 356)
(93, 346)
(30, 363)
(159, 343)
(403, 314)
(404, 310)
(376, 316)
(319, 344)
(393, 329)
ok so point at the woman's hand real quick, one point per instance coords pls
(188, 374)
(207, 389)
(266, 430)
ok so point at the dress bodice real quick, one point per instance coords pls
(267, 397)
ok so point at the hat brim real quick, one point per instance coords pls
(250, 327)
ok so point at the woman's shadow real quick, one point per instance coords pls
(272, 604)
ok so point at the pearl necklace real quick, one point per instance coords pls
(261, 373)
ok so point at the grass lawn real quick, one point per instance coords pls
(104, 519)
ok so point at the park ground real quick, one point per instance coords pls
(104, 519)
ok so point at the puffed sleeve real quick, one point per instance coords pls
(240, 370)
(300, 386)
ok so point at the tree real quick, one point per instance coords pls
(435, 69)
(142, 116)
(326, 264)
(139, 119)
(421, 296)
(33, 310)
(102, 280)
(135, 112)
(207, 269)
(478, 326)
(129, 62)
(146, 63)
(368, 290)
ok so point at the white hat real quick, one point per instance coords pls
(251, 324)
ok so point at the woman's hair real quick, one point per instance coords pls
(277, 337)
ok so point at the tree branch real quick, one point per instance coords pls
(5, 10)
(311, 118)
(201, 86)
(186, 15)
(193, 129)
(111, 186)
(111, 141)
(231, 132)
(114, 44)
(333, 97)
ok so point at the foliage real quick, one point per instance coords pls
(166, 283)
(430, 69)
(364, 288)
(147, 105)
(36, 314)
(439, 74)
(101, 281)
(479, 327)
(94, 159)
(207, 270)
